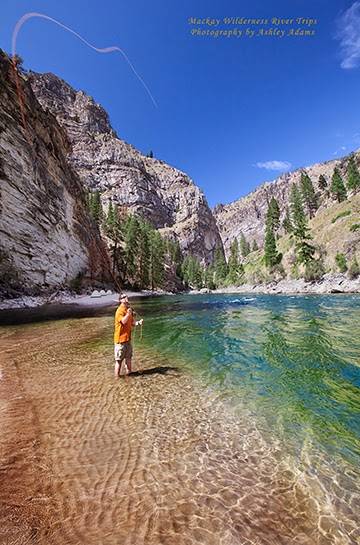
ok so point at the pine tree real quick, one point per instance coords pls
(208, 277)
(301, 232)
(297, 217)
(197, 274)
(244, 246)
(174, 252)
(112, 228)
(271, 255)
(184, 269)
(273, 214)
(96, 210)
(305, 250)
(286, 224)
(192, 272)
(132, 236)
(353, 177)
(337, 187)
(110, 221)
(220, 266)
(322, 182)
(143, 266)
(308, 194)
(233, 263)
(157, 258)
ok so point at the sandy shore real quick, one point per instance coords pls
(69, 298)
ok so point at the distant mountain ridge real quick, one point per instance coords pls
(68, 146)
(247, 214)
(161, 193)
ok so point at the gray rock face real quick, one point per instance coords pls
(247, 214)
(165, 196)
(47, 238)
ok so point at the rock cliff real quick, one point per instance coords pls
(247, 214)
(47, 238)
(162, 194)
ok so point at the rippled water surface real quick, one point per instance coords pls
(239, 426)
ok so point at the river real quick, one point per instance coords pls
(239, 425)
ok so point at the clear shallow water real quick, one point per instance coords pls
(293, 361)
(245, 431)
(292, 365)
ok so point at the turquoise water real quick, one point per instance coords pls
(291, 361)
(239, 426)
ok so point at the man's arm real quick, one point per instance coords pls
(128, 316)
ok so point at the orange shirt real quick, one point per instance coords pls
(122, 332)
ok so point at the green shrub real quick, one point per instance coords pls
(295, 272)
(341, 262)
(354, 268)
(314, 270)
(341, 215)
(355, 227)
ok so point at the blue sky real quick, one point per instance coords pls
(230, 110)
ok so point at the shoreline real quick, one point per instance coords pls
(329, 284)
(65, 297)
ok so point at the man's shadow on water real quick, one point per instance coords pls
(161, 370)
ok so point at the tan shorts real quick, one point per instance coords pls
(123, 351)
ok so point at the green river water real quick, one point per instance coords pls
(240, 424)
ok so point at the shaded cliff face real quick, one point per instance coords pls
(247, 214)
(47, 238)
(165, 196)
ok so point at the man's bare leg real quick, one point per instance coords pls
(117, 368)
(128, 366)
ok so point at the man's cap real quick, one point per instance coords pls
(122, 296)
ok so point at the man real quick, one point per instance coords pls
(124, 322)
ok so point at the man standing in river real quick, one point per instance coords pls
(124, 322)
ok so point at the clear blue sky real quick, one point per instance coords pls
(225, 105)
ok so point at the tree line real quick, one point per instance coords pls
(142, 258)
(304, 201)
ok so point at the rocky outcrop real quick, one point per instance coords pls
(158, 192)
(47, 238)
(247, 214)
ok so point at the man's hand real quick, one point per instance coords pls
(128, 316)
